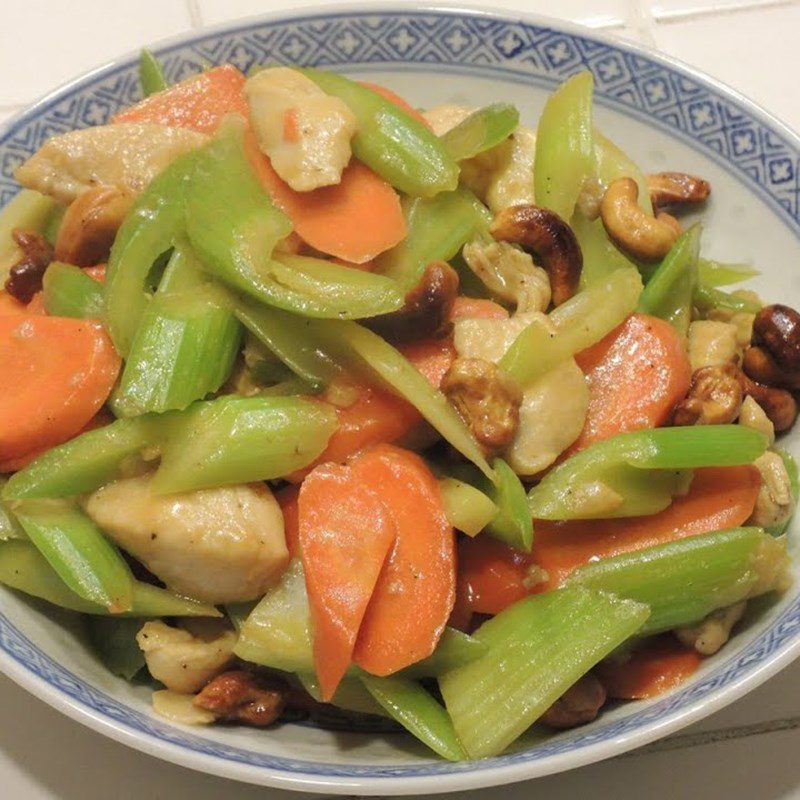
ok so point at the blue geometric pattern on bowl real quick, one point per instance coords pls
(466, 43)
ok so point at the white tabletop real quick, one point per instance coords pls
(749, 750)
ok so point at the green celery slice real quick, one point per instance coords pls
(538, 648)
(481, 130)
(76, 549)
(684, 581)
(415, 709)
(706, 298)
(70, 292)
(151, 76)
(468, 509)
(114, 643)
(713, 274)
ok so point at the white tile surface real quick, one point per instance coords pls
(755, 51)
(748, 751)
(45, 42)
(605, 13)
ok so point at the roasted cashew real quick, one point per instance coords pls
(676, 189)
(240, 696)
(714, 398)
(487, 400)
(427, 307)
(546, 236)
(777, 329)
(25, 277)
(579, 705)
(644, 237)
(90, 225)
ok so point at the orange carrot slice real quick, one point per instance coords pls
(62, 370)
(637, 373)
(345, 533)
(660, 665)
(415, 592)
(200, 102)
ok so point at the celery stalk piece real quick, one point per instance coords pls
(277, 633)
(22, 567)
(713, 274)
(9, 527)
(580, 322)
(454, 649)
(639, 472)
(83, 463)
(114, 643)
(600, 256)
(148, 231)
(151, 76)
(400, 148)
(351, 695)
(437, 228)
(369, 353)
(289, 338)
(76, 549)
(706, 298)
(28, 210)
(512, 523)
(238, 439)
(70, 292)
(684, 581)
(185, 345)
(538, 648)
(563, 158)
(233, 227)
(670, 292)
(611, 163)
(52, 225)
(481, 130)
(794, 483)
(468, 509)
(417, 711)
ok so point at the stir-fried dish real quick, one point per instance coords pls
(318, 404)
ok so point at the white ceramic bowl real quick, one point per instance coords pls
(666, 116)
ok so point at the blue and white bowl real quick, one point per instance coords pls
(666, 116)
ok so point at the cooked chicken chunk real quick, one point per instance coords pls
(502, 176)
(489, 339)
(127, 155)
(216, 545)
(186, 661)
(712, 343)
(551, 418)
(305, 132)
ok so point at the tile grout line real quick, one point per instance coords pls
(685, 741)
(668, 17)
(195, 15)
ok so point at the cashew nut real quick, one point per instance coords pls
(776, 336)
(510, 274)
(427, 307)
(644, 237)
(676, 189)
(239, 696)
(25, 277)
(714, 397)
(486, 398)
(579, 705)
(546, 236)
(90, 225)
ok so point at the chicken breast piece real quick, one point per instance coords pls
(216, 545)
(126, 155)
(305, 132)
(185, 661)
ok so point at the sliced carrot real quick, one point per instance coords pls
(660, 665)
(493, 576)
(62, 370)
(395, 99)
(99, 420)
(415, 592)
(287, 500)
(200, 102)
(354, 220)
(345, 534)
(719, 497)
(637, 373)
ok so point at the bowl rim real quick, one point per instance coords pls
(472, 775)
